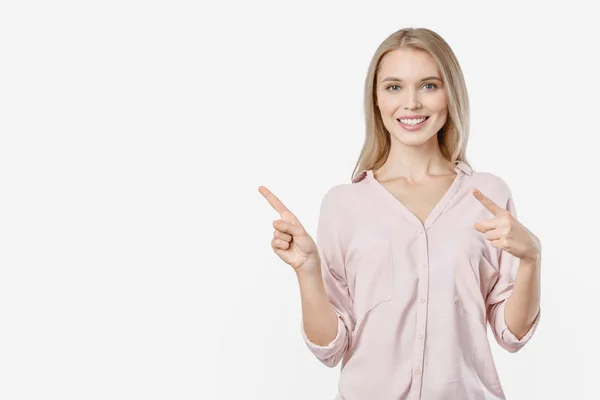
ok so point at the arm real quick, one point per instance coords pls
(523, 305)
(513, 303)
(327, 309)
(319, 318)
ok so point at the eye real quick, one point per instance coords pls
(391, 86)
(432, 86)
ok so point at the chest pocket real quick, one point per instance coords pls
(370, 278)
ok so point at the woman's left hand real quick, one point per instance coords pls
(505, 232)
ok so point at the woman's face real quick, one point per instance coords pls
(411, 96)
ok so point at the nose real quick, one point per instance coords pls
(412, 101)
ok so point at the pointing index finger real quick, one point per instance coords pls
(273, 200)
(487, 203)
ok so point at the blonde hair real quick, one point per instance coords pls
(453, 136)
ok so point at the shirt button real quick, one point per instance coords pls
(420, 336)
(418, 371)
(424, 265)
(422, 300)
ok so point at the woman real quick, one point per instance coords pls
(412, 260)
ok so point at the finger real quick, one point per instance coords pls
(273, 200)
(498, 243)
(288, 228)
(494, 234)
(279, 244)
(283, 236)
(486, 225)
(487, 203)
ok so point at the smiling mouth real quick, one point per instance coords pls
(412, 121)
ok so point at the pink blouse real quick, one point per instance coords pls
(414, 299)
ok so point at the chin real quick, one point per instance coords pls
(414, 138)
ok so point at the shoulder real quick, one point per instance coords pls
(337, 195)
(491, 185)
(343, 201)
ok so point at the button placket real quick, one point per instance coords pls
(422, 292)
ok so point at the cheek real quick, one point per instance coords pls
(443, 115)
(386, 106)
(439, 104)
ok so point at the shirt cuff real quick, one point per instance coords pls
(335, 346)
(515, 343)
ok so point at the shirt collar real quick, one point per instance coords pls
(460, 166)
(464, 167)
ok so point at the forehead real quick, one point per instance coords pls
(407, 64)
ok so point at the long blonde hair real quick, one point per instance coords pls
(453, 136)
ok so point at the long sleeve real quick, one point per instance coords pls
(331, 251)
(496, 299)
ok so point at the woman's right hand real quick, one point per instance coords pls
(290, 241)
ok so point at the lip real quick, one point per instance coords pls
(412, 128)
(413, 116)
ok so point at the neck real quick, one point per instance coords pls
(415, 163)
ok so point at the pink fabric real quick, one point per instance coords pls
(414, 299)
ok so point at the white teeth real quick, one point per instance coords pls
(412, 121)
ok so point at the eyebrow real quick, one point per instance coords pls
(393, 78)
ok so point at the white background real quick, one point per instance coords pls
(135, 258)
